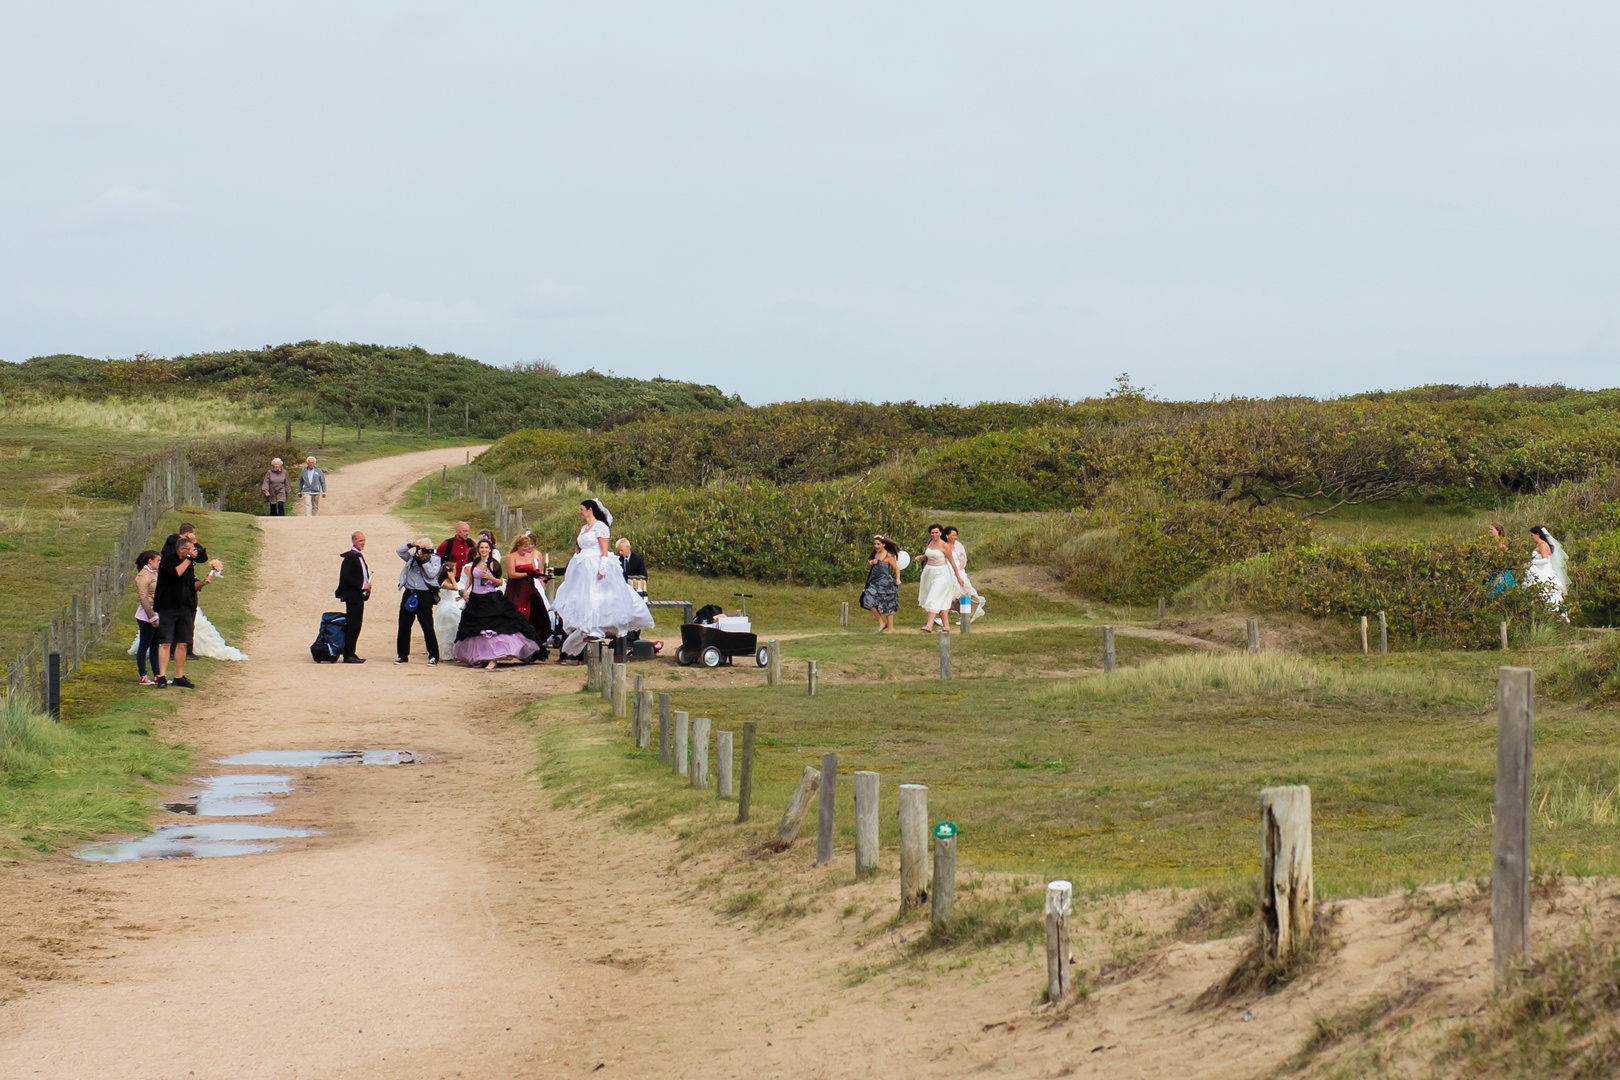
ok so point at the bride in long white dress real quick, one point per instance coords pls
(206, 640)
(1549, 569)
(594, 600)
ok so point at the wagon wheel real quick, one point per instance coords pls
(711, 657)
(763, 656)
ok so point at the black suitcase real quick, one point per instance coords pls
(328, 647)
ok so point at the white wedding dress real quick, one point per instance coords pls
(597, 607)
(447, 615)
(205, 641)
(978, 599)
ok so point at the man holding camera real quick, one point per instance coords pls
(419, 581)
(175, 599)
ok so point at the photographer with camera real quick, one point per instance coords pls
(419, 581)
(174, 597)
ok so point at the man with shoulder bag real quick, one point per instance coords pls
(419, 582)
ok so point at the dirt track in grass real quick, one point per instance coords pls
(447, 922)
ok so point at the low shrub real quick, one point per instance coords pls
(798, 534)
(237, 465)
(1042, 468)
(1438, 590)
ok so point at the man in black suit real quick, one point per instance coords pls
(634, 565)
(354, 589)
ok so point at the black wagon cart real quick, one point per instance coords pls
(712, 647)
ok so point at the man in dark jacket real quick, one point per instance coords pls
(354, 589)
(175, 599)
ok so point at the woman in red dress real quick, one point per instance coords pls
(523, 575)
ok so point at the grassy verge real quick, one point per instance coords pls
(94, 773)
(1148, 777)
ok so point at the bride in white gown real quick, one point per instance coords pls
(1549, 569)
(206, 640)
(594, 600)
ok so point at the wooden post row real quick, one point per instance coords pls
(1253, 628)
(682, 728)
(1108, 649)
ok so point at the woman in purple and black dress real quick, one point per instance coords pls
(492, 628)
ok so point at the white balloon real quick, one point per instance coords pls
(905, 559)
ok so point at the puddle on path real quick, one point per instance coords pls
(203, 841)
(232, 796)
(309, 759)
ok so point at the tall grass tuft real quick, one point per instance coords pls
(1566, 800)
(31, 743)
(192, 416)
(1267, 677)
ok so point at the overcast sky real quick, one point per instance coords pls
(937, 201)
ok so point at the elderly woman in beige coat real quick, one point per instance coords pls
(277, 486)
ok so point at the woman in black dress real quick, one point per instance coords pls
(882, 593)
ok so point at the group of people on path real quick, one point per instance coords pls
(167, 617)
(944, 582)
(493, 607)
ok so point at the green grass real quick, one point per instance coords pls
(1151, 781)
(94, 773)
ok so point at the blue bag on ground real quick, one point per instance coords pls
(328, 647)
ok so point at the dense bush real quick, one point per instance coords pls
(315, 381)
(239, 465)
(801, 534)
(1437, 590)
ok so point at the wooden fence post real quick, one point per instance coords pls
(604, 664)
(866, 822)
(812, 678)
(723, 757)
(1108, 649)
(1059, 907)
(773, 662)
(746, 794)
(1364, 635)
(1287, 886)
(635, 707)
(1253, 628)
(824, 812)
(1383, 634)
(700, 751)
(54, 686)
(1161, 609)
(843, 613)
(944, 655)
(798, 806)
(944, 895)
(621, 684)
(1510, 842)
(663, 728)
(682, 727)
(1504, 635)
(393, 423)
(593, 662)
(913, 845)
(644, 708)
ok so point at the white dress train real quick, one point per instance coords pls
(961, 564)
(206, 640)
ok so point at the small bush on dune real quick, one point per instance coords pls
(238, 465)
